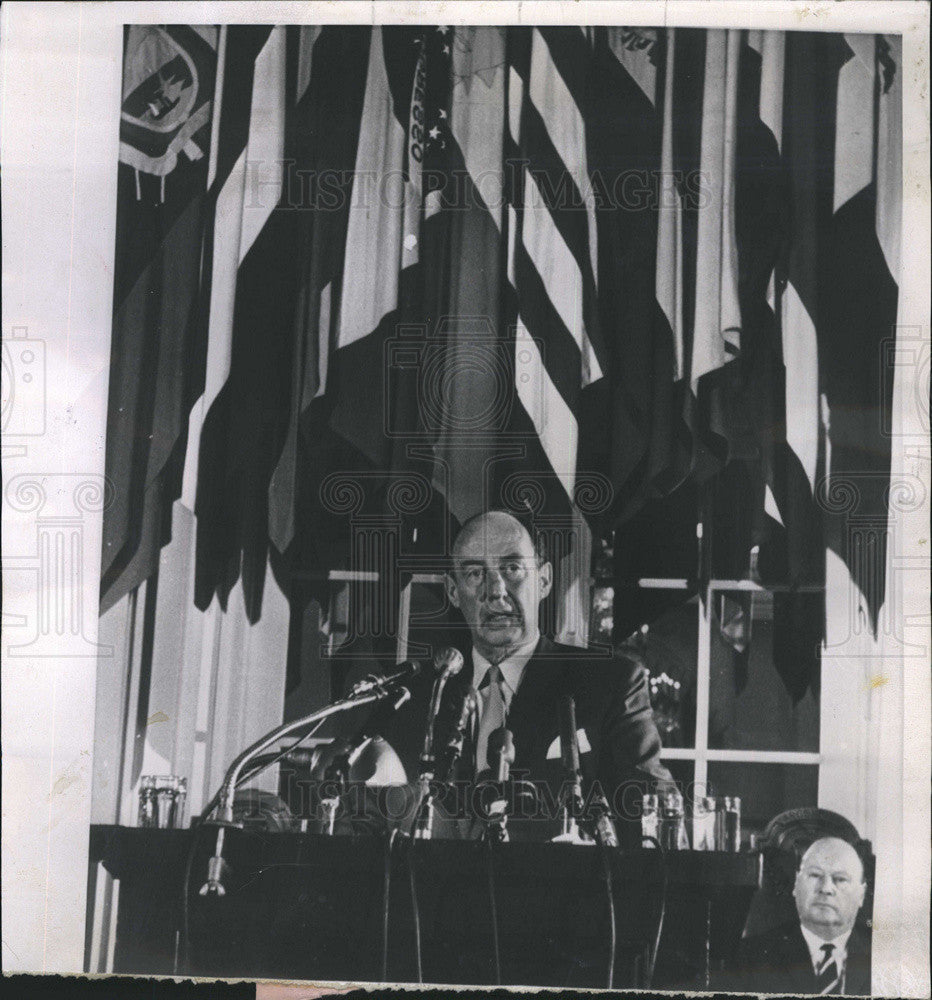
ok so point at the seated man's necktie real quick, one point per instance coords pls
(828, 974)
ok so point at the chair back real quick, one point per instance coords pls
(783, 843)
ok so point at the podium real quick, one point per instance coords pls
(306, 906)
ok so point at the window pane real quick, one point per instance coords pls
(750, 707)
(667, 644)
(683, 772)
(429, 627)
(765, 789)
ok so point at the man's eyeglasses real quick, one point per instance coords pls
(514, 571)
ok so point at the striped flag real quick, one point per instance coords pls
(238, 425)
(626, 418)
(861, 295)
(552, 267)
(567, 271)
(467, 286)
(324, 143)
(782, 373)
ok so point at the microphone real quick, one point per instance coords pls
(463, 711)
(467, 702)
(382, 684)
(223, 800)
(569, 752)
(447, 663)
(599, 825)
(501, 753)
(602, 824)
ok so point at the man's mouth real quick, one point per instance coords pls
(502, 619)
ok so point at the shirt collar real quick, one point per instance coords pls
(814, 943)
(512, 667)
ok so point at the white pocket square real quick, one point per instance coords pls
(555, 750)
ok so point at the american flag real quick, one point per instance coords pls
(563, 270)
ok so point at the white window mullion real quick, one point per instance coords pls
(703, 687)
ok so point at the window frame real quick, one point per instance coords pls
(701, 754)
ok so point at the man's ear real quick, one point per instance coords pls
(450, 585)
(545, 576)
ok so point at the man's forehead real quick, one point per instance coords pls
(493, 538)
(834, 855)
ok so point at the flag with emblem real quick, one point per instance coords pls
(156, 347)
(563, 271)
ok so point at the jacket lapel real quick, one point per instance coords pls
(533, 716)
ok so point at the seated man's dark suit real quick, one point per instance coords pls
(778, 961)
(612, 709)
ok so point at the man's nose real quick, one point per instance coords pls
(494, 585)
(826, 884)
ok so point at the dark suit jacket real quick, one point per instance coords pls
(778, 961)
(612, 707)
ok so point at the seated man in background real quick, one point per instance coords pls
(497, 581)
(822, 952)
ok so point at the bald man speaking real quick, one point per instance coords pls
(823, 952)
(497, 581)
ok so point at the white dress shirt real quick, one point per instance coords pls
(495, 699)
(814, 943)
(512, 670)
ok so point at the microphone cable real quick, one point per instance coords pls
(612, 918)
(185, 904)
(415, 911)
(197, 824)
(652, 957)
(493, 906)
(386, 889)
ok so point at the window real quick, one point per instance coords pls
(726, 716)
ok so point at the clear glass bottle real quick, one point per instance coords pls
(673, 825)
(650, 818)
(181, 795)
(165, 801)
(728, 824)
(704, 823)
(148, 815)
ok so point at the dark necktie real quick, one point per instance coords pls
(828, 974)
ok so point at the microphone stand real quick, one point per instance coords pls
(335, 777)
(447, 663)
(446, 762)
(572, 798)
(216, 865)
(501, 752)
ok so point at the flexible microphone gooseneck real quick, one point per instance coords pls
(376, 689)
(377, 682)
